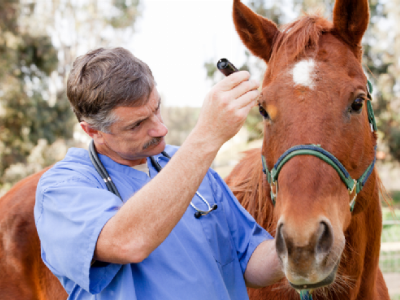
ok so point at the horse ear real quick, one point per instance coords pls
(350, 19)
(256, 32)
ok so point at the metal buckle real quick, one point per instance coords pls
(353, 200)
(354, 187)
(274, 184)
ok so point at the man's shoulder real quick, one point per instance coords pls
(75, 166)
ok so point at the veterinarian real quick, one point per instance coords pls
(174, 230)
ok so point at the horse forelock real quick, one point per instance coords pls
(299, 39)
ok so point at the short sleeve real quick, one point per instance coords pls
(245, 231)
(69, 217)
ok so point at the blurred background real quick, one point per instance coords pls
(181, 41)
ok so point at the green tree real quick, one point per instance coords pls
(381, 58)
(26, 61)
(38, 43)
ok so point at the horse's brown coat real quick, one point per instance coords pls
(309, 189)
(23, 274)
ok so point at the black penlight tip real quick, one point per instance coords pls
(226, 67)
(222, 63)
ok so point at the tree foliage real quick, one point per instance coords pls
(26, 61)
(38, 43)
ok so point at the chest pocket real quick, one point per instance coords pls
(218, 235)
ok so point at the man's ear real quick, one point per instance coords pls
(96, 135)
(256, 32)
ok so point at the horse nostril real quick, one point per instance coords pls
(280, 242)
(325, 238)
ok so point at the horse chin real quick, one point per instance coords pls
(325, 282)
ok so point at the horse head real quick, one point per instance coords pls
(314, 94)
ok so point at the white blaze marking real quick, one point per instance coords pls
(303, 73)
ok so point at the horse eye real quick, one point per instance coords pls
(263, 112)
(357, 105)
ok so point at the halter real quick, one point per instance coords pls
(354, 186)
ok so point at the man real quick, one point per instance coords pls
(149, 245)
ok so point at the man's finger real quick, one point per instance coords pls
(243, 88)
(250, 98)
(233, 80)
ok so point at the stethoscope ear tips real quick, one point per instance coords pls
(197, 214)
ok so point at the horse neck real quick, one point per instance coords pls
(360, 259)
(366, 222)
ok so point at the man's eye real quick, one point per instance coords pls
(263, 112)
(137, 125)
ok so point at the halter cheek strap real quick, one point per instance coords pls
(354, 186)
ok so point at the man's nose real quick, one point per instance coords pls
(158, 127)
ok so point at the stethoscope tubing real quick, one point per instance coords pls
(113, 189)
(102, 170)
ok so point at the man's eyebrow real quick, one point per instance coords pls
(141, 120)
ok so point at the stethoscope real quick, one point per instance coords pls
(113, 189)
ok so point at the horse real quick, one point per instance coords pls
(319, 133)
(23, 275)
(314, 95)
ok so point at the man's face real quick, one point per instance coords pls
(138, 133)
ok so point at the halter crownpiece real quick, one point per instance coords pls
(353, 186)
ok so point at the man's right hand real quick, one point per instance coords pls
(226, 107)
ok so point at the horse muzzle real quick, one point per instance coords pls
(310, 260)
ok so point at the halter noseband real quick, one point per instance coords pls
(354, 186)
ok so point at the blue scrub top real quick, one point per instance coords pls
(201, 258)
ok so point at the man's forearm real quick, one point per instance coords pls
(264, 267)
(149, 216)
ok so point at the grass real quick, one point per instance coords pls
(395, 195)
(389, 262)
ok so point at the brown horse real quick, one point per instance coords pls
(314, 92)
(23, 275)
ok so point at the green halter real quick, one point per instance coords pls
(354, 186)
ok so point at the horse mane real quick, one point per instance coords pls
(249, 184)
(383, 194)
(300, 38)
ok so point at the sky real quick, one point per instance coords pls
(175, 38)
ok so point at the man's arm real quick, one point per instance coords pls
(149, 216)
(264, 267)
